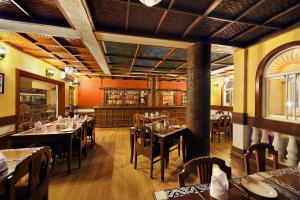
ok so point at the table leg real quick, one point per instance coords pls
(69, 154)
(131, 147)
(183, 147)
(162, 161)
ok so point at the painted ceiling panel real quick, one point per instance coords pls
(120, 48)
(154, 51)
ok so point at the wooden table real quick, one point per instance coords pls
(163, 137)
(14, 157)
(51, 134)
(286, 181)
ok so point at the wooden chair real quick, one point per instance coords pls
(164, 112)
(145, 145)
(137, 119)
(259, 150)
(51, 118)
(91, 131)
(225, 125)
(39, 174)
(80, 142)
(16, 190)
(25, 126)
(204, 166)
(174, 121)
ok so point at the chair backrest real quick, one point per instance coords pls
(164, 112)
(39, 173)
(83, 130)
(25, 126)
(146, 137)
(51, 118)
(204, 166)
(224, 122)
(259, 150)
(21, 170)
(174, 121)
(219, 112)
(136, 119)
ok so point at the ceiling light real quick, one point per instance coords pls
(2, 53)
(69, 70)
(150, 3)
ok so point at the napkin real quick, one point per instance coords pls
(3, 162)
(76, 116)
(299, 167)
(146, 114)
(38, 125)
(59, 118)
(85, 117)
(219, 185)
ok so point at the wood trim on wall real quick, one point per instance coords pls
(223, 108)
(61, 90)
(8, 120)
(288, 128)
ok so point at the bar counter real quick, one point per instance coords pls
(122, 116)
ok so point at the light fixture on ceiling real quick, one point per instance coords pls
(2, 53)
(150, 3)
(69, 70)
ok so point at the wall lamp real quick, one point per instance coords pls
(49, 72)
(2, 53)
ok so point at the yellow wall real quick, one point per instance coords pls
(16, 59)
(216, 90)
(255, 55)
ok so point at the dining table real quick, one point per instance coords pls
(163, 137)
(52, 133)
(13, 158)
(285, 181)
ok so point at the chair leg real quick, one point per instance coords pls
(53, 160)
(135, 160)
(79, 158)
(219, 135)
(167, 158)
(85, 150)
(179, 148)
(212, 137)
(151, 167)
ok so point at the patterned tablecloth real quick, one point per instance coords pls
(286, 181)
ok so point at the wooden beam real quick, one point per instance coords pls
(127, 15)
(134, 59)
(164, 16)
(214, 4)
(40, 29)
(116, 37)
(266, 22)
(76, 13)
(164, 59)
(238, 18)
(21, 7)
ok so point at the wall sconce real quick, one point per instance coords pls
(76, 81)
(215, 84)
(2, 53)
(49, 72)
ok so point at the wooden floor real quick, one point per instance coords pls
(107, 174)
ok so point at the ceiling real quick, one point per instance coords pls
(177, 23)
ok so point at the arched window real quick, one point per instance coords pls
(281, 85)
(228, 93)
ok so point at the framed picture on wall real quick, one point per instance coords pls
(1, 83)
